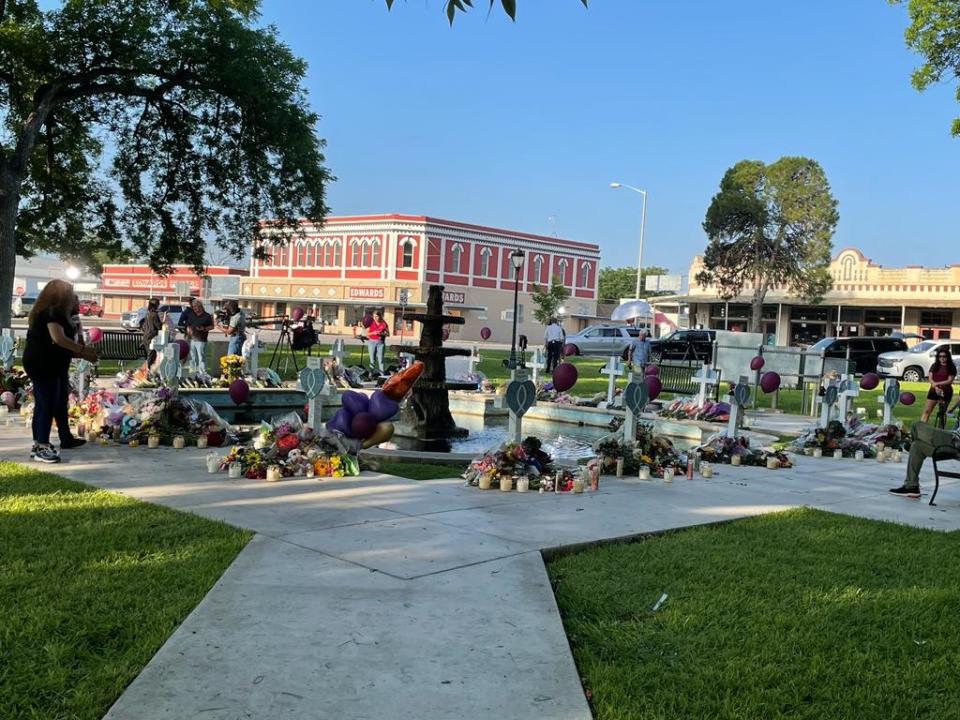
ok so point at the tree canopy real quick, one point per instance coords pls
(621, 282)
(934, 33)
(452, 7)
(548, 300)
(154, 125)
(769, 226)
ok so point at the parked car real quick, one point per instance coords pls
(863, 351)
(603, 340)
(684, 345)
(913, 365)
(90, 307)
(22, 305)
(133, 321)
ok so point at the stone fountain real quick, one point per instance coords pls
(426, 414)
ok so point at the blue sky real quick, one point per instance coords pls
(509, 124)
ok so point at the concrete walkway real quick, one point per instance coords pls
(379, 597)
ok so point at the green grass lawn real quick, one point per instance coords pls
(91, 585)
(802, 614)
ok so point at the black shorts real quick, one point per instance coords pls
(946, 397)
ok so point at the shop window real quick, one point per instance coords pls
(881, 316)
(936, 317)
(329, 314)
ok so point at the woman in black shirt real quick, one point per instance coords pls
(50, 346)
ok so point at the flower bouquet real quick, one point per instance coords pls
(720, 449)
(231, 367)
(511, 460)
(654, 451)
(709, 411)
(15, 382)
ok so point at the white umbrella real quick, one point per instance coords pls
(631, 310)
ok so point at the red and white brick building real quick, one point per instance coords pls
(354, 264)
(128, 287)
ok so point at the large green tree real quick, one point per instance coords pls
(548, 301)
(615, 283)
(934, 32)
(770, 225)
(153, 125)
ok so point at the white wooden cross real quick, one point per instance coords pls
(828, 401)
(160, 340)
(707, 377)
(313, 383)
(849, 389)
(474, 358)
(250, 350)
(6, 348)
(613, 369)
(891, 396)
(738, 397)
(537, 363)
(337, 352)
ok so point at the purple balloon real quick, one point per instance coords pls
(296, 314)
(907, 398)
(363, 425)
(382, 407)
(651, 369)
(239, 391)
(565, 376)
(485, 333)
(869, 381)
(757, 362)
(769, 381)
(367, 320)
(340, 422)
(654, 386)
(569, 349)
(184, 348)
(355, 402)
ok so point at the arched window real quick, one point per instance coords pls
(406, 256)
(562, 266)
(847, 263)
(327, 253)
(485, 254)
(283, 255)
(538, 268)
(456, 255)
(585, 275)
(315, 254)
(375, 253)
(301, 254)
(355, 252)
(337, 255)
(365, 253)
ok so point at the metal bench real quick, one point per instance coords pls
(121, 346)
(676, 377)
(941, 453)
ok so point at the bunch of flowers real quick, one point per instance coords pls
(15, 382)
(511, 460)
(91, 410)
(654, 451)
(231, 367)
(709, 411)
(852, 436)
(720, 448)
(159, 412)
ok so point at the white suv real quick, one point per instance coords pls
(133, 321)
(603, 340)
(913, 365)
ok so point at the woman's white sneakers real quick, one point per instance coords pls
(45, 454)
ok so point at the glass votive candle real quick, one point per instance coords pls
(483, 482)
(310, 472)
(133, 442)
(668, 474)
(643, 473)
(578, 484)
(4, 410)
(734, 459)
(202, 442)
(772, 463)
(896, 456)
(818, 452)
(178, 442)
(153, 441)
(838, 454)
(858, 455)
(881, 456)
(706, 470)
(234, 470)
(91, 436)
(523, 484)
(273, 473)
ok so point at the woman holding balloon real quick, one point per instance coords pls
(51, 344)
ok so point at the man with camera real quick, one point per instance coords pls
(233, 324)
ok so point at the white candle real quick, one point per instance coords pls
(506, 483)
(213, 462)
(706, 470)
(178, 442)
(483, 482)
(858, 455)
(896, 456)
(523, 484)
(578, 484)
(881, 456)
(202, 442)
(273, 473)
(818, 452)
(643, 473)
(734, 459)
(4, 409)
(838, 453)
(234, 470)
(133, 442)
(668, 474)
(153, 441)
(619, 467)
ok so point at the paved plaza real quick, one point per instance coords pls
(381, 597)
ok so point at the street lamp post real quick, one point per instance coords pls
(516, 257)
(643, 222)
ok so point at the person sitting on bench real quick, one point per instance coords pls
(924, 440)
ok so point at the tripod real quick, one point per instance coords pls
(284, 341)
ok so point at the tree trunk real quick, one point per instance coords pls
(9, 201)
(756, 310)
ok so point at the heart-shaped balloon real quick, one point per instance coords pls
(355, 402)
(520, 396)
(311, 381)
(340, 422)
(382, 407)
(382, 433)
